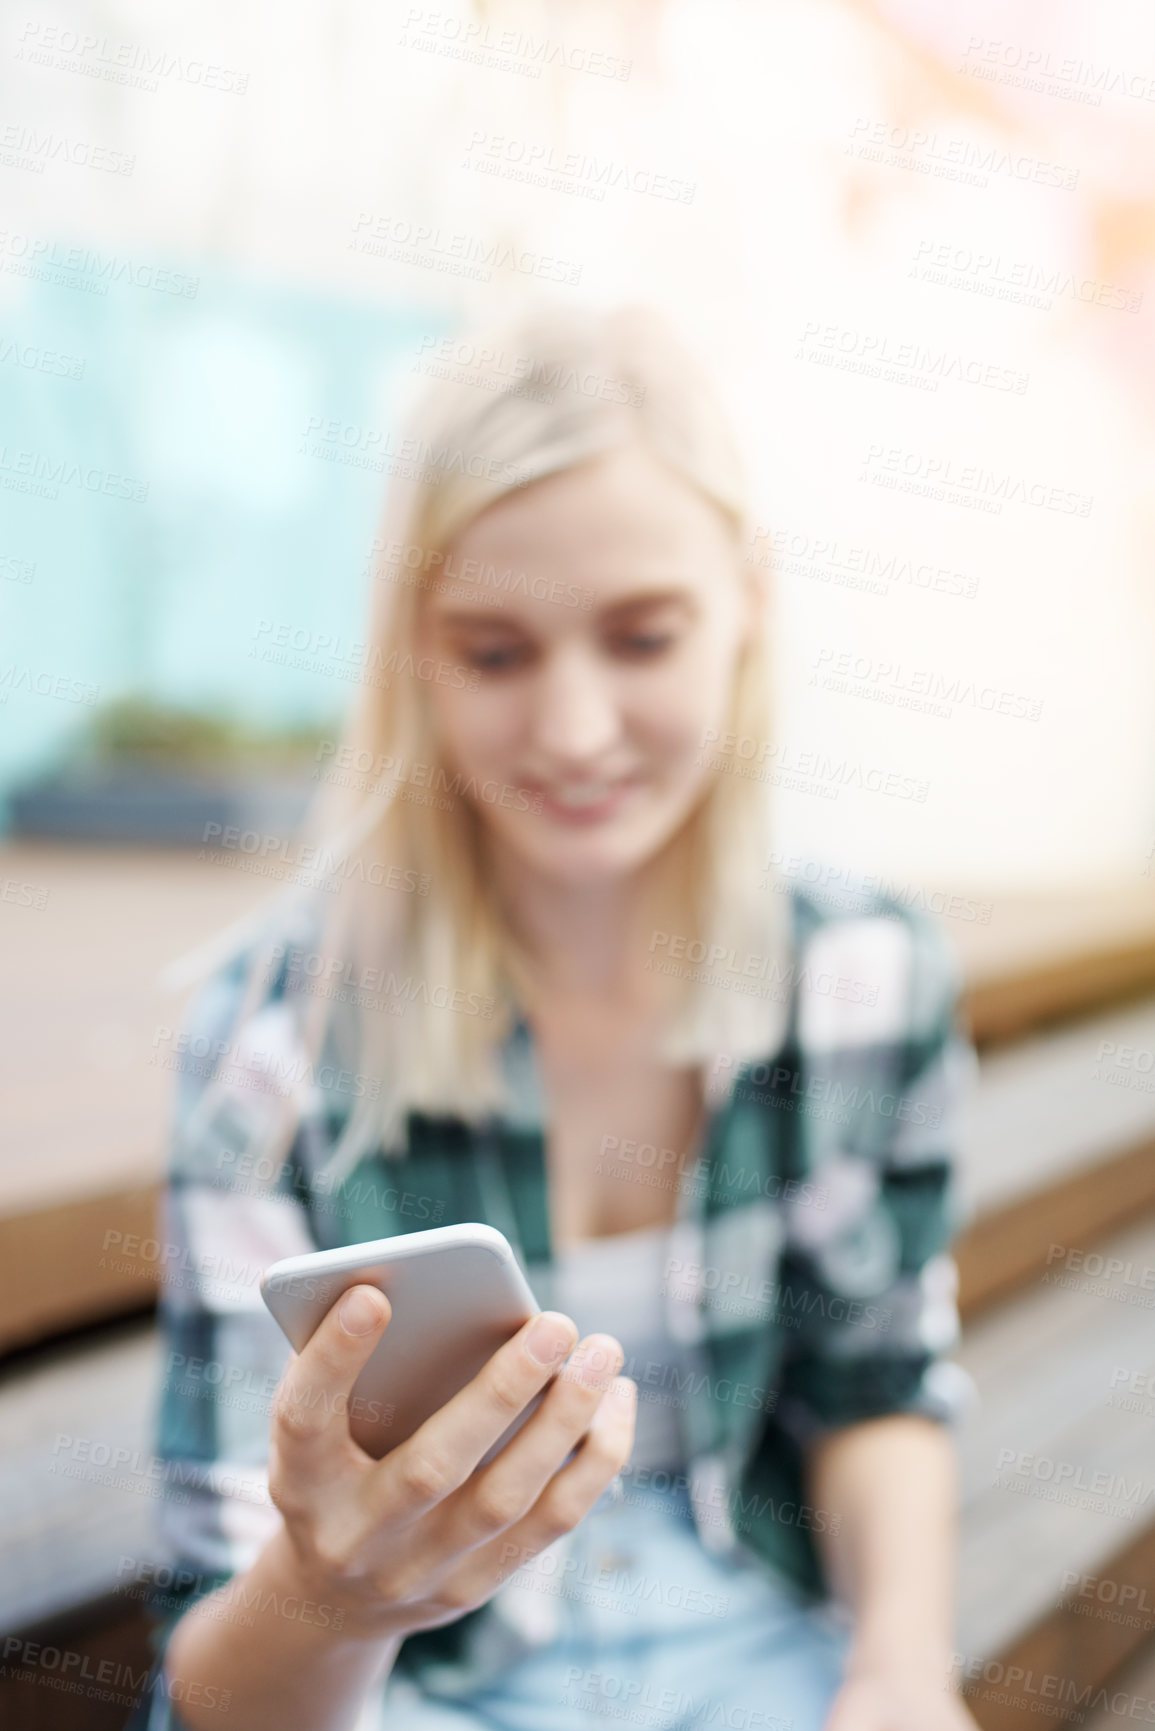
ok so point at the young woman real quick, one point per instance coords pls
(545, 978)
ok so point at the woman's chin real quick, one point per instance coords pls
(584, 855)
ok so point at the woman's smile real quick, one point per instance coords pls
(584, 802)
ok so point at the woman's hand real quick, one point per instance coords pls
(419, 1538)
(898, 1702)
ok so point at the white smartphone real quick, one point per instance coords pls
(457, 1294)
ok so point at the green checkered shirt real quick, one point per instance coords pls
(808, 1271)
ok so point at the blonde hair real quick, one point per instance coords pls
(537, 397)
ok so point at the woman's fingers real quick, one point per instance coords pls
(442, 1453)
(498, 1495)
(572, 1492)
(310, 1418)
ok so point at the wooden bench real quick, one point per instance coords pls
(87, 1091)
(1059, 1477)
(77, 1434)
(85, 1005)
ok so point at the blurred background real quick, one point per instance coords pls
(916, 245)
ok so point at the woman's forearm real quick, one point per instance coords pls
(265, 1653)
(892, 1483)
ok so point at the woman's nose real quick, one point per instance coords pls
(576, 714)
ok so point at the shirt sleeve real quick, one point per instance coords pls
(227, 1213)
(868, 1287)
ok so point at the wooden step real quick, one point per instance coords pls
(1053, 1367)
(1057, 1143)
(78, 1490)
(106, 1641)
(1130, 1697)
(85, 934)
(1031, 961)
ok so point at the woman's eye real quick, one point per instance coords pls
(644, 643)
(496, 658)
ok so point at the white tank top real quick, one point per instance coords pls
(614, 1286)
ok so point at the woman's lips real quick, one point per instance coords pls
(581, 803)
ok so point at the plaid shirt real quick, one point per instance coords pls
(808, 1271)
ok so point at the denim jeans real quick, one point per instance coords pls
(647, 1629)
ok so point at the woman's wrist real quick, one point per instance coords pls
(899, 1634)
(272, 1628)
(345, 1615)
(904, 1653)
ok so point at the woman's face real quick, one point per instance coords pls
(599, 678)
